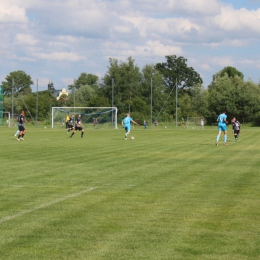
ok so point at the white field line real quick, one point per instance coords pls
(23, 212)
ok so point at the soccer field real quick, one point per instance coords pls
(169, 194)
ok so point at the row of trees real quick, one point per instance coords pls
(126, 85)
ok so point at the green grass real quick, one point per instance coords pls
(169, 194)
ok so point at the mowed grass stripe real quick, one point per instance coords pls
(170, 194)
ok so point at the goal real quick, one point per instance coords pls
(5, 118)
(92, 117)
(214, 125)
(194, 122)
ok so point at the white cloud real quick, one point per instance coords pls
(222, 61)
(205, 66)
(59, 56)
(25, 39)
(247, 62)
(195, 8)
(167, 7)
(156, 48)
(238, 24)
(11, 13)
(209, 33)
(151, 49)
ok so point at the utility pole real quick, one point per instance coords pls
(112, 100)
(151, 102)
(176, 103)
(36, 104)
(12, 102)
(74, 93)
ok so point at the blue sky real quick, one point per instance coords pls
(58, 40)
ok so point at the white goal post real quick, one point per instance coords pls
(194, 122)
(105, 117)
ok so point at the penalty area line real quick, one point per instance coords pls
(45, 205)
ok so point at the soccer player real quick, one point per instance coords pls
(21, 120)
(70, 123)
(236, 128)
(67, 120)
(18, 131)
(222, 127)
(94, 121)
(182, 122)
(126, 124)
(78, 127)
(202, 123)
(145, 124)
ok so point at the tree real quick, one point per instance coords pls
(8, 104)
(175, 68)
(230, 71)
(45, 101)
(85, 79)
(241, 99)
(127, 78)
(185, 106)
(152, 84)
(199, 101)
(99, 101)
(84, 94)
(22, 83)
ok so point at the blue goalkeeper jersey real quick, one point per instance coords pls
(127, 121)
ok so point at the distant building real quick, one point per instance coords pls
(57, 93)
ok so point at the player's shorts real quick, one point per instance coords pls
(21, 128)
(78, 128)
(127, 128)
(222, 128)
(236, 132)
(70, 126)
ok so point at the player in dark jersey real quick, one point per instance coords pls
(78, 127)
(236, 128)
(70, 123)
(21, 120)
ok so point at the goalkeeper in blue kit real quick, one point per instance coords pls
(222, 127)
(126, 124)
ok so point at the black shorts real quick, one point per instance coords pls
(236, 132)
(70, 126)
(78, 128)
(21, 128)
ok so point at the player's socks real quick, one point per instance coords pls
(82, 133)
(72, 134)
(19, 136)
(225, 138)
(218, 136)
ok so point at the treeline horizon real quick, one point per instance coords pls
(153, 87)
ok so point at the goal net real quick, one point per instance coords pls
(194, 122)
(214, 125)
(92, 117)
(5, 118)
